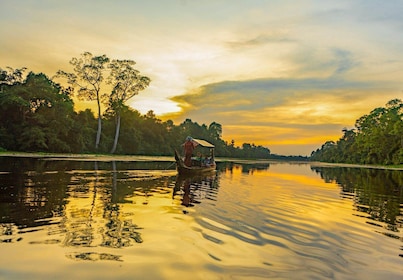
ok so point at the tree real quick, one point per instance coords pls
(83, 131)
(130, 136)
(11, 76)
(126, 82)
(36, 115)
(377, 139)
(215, 130)
(88, 77)
(380, 132)
(345, 147)
(13, 106)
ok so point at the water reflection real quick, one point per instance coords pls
(88, 204)
(247, 167)
(248, 219)
(194, 189)
(377, 193)
(93, 256)
(81, 202)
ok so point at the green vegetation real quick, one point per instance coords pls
(88, 77)
(37, 115)
(376, 139)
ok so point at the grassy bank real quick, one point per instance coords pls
(109, 157)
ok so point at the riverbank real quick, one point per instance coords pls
(109, 157)
(327, 164)
(87, 157)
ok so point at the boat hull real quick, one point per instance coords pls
(191, 170)
(185, 170)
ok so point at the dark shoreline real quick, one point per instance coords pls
(101, 157)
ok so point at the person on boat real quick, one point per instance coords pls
(198, 160)
(206, 161)
(189, 147)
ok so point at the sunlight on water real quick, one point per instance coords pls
(115, 220)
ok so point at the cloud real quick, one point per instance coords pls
(259, 40)
(277, 73)
(256, 94)
(283, 112)
(344, 61)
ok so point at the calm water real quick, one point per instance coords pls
(81, 219)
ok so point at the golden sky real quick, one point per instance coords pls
(285, 74)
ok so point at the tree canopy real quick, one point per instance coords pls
(87, 78)
(376, 139)
(38, 115)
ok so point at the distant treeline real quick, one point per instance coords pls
(37, 115)
(376, 139)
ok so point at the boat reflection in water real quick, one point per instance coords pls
(104, 219)
(79, 204)
(193, 189)
(84, 204)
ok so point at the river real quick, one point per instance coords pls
(80, 218)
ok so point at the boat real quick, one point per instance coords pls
(202, 163)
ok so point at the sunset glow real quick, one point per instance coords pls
(287, 75)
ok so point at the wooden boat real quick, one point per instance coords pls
(199, 164)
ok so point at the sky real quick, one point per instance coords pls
(287, 75)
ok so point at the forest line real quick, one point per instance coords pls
(37, 115)
(377, 138)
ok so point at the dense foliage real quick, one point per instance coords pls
(37, 115)
(376, 139)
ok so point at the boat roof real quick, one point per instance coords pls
(203, 143)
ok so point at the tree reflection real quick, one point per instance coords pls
(378, 193)
(247, 166)
(109, 192)
(92, 256)
(30, 194)
(79, 203)
(119, 233)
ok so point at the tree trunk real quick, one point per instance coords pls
(115, 142)
(99, 125)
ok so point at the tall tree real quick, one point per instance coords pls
(126, 82)
(215, 130)
(87, 78)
